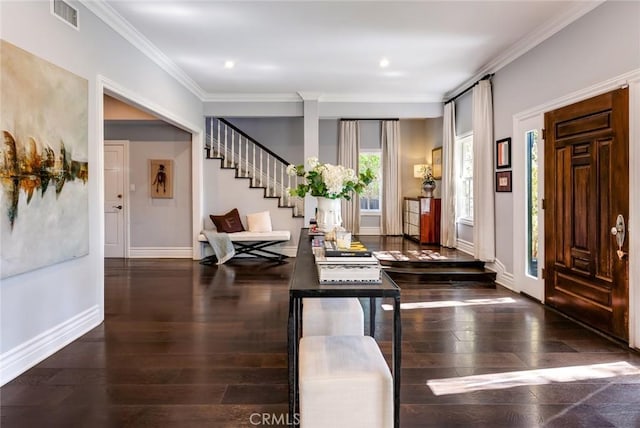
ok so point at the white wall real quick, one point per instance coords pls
(603, 44)
(43, 310)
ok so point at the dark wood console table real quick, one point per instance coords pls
(304, 284)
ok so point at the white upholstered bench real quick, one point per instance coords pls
(344, 383)
(332, 316)
(255, 243)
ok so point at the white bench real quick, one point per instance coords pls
(255, 243)
(332, 316)
(344, 383)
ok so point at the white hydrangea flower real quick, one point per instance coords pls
(313, 162)
(291, 170)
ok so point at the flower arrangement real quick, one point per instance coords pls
(327, 180)
(427, 176)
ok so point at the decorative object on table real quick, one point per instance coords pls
(503, 181)
(425, 172)
(343, 239)
(356, 249)
(329, 184)
(436, 161)
(503, 153)
(161, 178)
(44, 172)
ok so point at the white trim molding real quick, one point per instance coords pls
(160, 252)
(368, 231)
(503, 277)
(634, 212)
(464, 246)
(26, 355)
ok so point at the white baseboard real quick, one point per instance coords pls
(369, 231)
(160, 252)
(464, 246)
(503, 277)
(289, 251)
(26, 355)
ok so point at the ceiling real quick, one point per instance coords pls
(332, 50)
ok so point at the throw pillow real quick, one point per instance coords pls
(229, 222)
(259, 222)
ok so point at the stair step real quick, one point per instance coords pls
(432, 264)
(446, 274)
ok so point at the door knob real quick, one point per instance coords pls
(619, 231)
(118, 207)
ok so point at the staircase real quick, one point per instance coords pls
(449, 272)
(253, 162)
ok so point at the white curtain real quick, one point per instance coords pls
(348, 149)
(483, 193)
(449, 173)
(391, 180)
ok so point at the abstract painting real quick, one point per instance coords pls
(44, 173)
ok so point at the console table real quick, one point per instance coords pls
(304, 284)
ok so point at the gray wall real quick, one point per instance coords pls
(42, 301)
(329, 133)
(464, 124)
(601, 45)
(149, 217)
(160, 222)
(282, 135)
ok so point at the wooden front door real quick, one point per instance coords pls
(586, 156)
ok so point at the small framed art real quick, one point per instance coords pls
(503, 181)
(161, 178)
(436, 161)
(503, 153)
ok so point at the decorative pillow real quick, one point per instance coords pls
(229, 222)
(259, 222)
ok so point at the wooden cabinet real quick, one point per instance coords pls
(421, 220)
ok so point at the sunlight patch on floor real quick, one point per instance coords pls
(465, 384)
(450, 303)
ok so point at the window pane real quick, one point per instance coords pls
(372, 194)
(532, 202)
(464, 189)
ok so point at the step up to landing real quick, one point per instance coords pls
(430, 267)
(449, 274)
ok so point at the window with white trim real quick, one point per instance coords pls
(372, 196)
(464, 179)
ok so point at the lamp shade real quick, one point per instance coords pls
(418, 170)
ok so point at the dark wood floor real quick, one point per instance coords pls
(186, 345)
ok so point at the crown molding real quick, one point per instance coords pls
(380, 98)
(113, 19)
(527, 43)
(251, 98)
(326, 98)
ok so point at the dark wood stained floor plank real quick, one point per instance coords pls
(187, 345)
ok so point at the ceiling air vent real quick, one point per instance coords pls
(66, 12)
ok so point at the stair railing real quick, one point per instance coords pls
(252, 160)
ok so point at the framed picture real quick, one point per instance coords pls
(503, 181)
(161, 178)
(503, 153)
(436, 162)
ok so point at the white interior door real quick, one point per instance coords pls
(114, 199)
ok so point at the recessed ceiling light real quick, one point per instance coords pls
(384, 62)
(229, 64)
